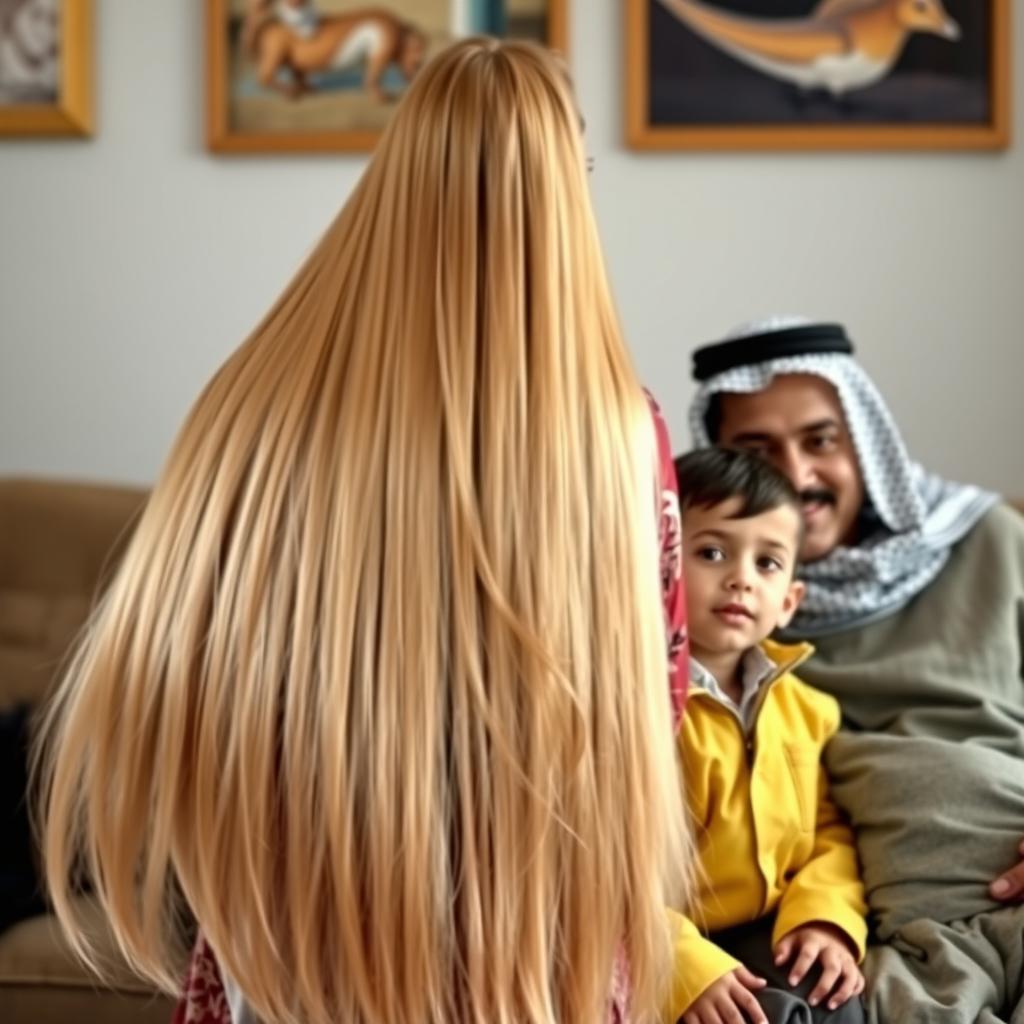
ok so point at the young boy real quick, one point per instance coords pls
(779, 905)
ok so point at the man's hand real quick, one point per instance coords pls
(729, 1000)
(1010, 887)
(828, 945)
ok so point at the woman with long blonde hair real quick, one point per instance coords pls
(378, 695)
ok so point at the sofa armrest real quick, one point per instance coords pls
(59, 541)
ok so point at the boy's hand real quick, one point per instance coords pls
(729, 1000)
(827, 944)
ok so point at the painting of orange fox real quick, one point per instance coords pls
(315, 68)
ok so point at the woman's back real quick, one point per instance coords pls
(378, 696)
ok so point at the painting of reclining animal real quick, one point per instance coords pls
(308, 75)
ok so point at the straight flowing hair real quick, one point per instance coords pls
(378, 696)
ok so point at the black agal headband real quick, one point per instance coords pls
(808, 339)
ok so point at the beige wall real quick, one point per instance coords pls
(133, 263)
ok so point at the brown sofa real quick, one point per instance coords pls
(58, 541)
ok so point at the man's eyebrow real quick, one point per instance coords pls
(750, 435)
(763, 436)
(826, 424)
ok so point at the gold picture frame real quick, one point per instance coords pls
(63, 106)
(675, 98)
(247, 106)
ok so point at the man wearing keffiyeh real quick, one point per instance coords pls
(915, 604)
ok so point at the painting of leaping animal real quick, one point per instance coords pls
(825, 73)
(312, 75)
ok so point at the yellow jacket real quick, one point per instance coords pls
(769, 838)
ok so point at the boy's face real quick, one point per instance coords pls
(739, 575)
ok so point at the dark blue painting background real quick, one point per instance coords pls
(935, 81)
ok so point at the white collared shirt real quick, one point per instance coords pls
(239, 1009)
(757, 667)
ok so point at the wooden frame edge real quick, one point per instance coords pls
(558, 26)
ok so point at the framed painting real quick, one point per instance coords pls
(307, 76)
(818, 74)
(46, 67)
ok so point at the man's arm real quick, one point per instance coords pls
(1009, 887)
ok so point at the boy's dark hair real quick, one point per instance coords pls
(709, 476)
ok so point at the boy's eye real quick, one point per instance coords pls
(769, 564)
(710, 554)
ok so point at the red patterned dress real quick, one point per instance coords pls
(204, 1000)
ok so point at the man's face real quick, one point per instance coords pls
(798, 425)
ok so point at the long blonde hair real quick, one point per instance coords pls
(378, 695)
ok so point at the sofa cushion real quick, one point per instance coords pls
(58, 543)
(36, 952)
(41, 981)
(40, 1004)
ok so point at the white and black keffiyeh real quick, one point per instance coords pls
(919, 515)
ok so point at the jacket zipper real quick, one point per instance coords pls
(780, 671)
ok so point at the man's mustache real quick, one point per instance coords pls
(817, 496)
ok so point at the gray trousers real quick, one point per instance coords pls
(964, 972)
(782, 1003)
